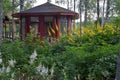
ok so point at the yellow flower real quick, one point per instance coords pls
(99, 28)
(110, 27)
(60, 34)
(69, 29)
(49, 33)
(71, 38)
(56, 26)
(91, 33)
(85, 30)
(64, 29)
(53, 31)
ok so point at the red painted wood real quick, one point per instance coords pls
(21, 28)
(58, 24)
(54, 27)
(69, 22)
(41, 27)
(27, 26)
(74, 15)
(5, 30)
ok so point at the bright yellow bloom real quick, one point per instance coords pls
(85, 30)
(49, 33)
(64, 29)
(109, 27)
(69, 30)
(88, 31)
(53, 31)
(56, 26)
(60, 34)
(99, 28)
(91, 33)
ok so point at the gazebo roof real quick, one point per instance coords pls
(46, 9)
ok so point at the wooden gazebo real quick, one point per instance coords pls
(46, 20)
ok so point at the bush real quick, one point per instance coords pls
(73, 57)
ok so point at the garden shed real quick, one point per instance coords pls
(46, 20)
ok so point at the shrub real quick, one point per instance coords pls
(73, 57)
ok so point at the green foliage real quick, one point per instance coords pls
(116, 21)
(6, 5)
(73, 57)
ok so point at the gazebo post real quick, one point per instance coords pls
(27, 26)
(69, 24)
(5, 29)
(21, 35)
(58, 25)
(41, 27)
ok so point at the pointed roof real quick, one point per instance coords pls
(46, 9)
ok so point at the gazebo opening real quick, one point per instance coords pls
(34, 26)
(49, 23)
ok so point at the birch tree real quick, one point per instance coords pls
(74, 5)
(71, 4)
(80, 13)
(22, 5)
(98, 9)
(103, 11)
(48, 0)
(86, 11)
(107, 9)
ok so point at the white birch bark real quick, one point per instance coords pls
(103, 21)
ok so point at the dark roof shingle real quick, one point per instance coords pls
(47, 7)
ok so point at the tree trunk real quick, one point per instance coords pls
(67, 4)
(107, 9)
(21, 27)
(74, 6)
(74, 26)
(48, 0)
(86, 10)
(117, 77)
(80, 12)
(98, 9)
(21, 5)
(102, 25)
(1, 22)
(13, 23)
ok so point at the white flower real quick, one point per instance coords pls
(8, 69)
(33, 57)
(0, 57)
(0, 60)
(52, 71)
(12, 62)
(0, 53)
(3, 68)
(39, 68)
(12, 75)
(44, 70)
(31, 61)
(0, 71)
